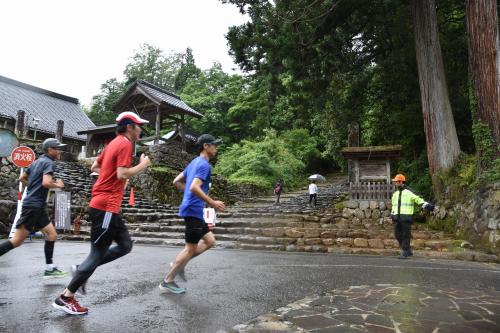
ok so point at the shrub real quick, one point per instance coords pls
(261, 163)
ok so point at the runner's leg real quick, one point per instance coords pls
(19, 236)
(123, 244)
(51, 236)
(181, 260)
(87, 268)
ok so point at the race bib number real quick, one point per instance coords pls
(209, 216)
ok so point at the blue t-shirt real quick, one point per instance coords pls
(36, 195)
(191, 205)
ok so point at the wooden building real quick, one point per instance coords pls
(157, 105)
(153, 103)
(370, 171)
(37, 113)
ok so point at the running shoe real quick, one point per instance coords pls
(69, 305)
(54, 273)
(83, 288)
(172, 287)
(181, 274)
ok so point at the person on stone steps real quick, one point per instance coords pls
(278, 188)
(403, 201)
(114, 166)
(194, 183)
(313, 193)
(39, 179)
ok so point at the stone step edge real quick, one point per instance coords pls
(223, 233)
(466, 255)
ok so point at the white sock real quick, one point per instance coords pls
(50, 267)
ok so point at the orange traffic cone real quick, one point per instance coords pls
(131, 199)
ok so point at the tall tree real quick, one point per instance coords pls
(442, 142)
(188, 70)
(484, 62)
(150, 64)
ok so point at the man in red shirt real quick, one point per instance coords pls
(114, 166)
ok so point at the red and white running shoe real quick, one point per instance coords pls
(69, 305)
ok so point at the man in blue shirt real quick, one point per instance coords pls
(39, 179)
(194, 182)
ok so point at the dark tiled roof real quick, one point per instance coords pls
(167, 97)
(159, 95)
(45, 105)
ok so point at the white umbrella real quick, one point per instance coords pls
(317, 177)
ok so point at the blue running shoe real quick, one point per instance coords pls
(171, 287)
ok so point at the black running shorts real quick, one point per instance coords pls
(195, 229)
(33, 219)
(105, 226)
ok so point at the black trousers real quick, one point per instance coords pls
(104, 231)
(402, 232)
(311, 196)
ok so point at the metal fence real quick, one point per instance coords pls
(371, 191)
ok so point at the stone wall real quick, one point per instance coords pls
(8, 180)
(476, 219)
(363, 212)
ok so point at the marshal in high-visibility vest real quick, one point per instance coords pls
(403, 203)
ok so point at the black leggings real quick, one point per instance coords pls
(100, 251)
(311, 197)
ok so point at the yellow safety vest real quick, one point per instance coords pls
(404, 201)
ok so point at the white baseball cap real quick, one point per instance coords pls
(128, 117)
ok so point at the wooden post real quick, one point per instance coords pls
(157, 125)
(183, 133)
(60, 130)
(352, 141)
(20, 123)
(87, 145)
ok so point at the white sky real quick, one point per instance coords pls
(73, 46)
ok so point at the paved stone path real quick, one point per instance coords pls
(385, 308)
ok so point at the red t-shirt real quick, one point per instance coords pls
(107, 193)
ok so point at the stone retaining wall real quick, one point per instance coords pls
(477, 219)
(361, 212)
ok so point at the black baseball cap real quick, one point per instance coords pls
(52, 143)
(207, 138)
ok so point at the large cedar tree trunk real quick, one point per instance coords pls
(440, 133)
(484, 60)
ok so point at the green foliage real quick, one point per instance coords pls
(417, 174)
(448, 224)
(100, 112)
(460, 179)
(261, 163)
(215, 94)
(152, 65)
(187, 71)
(301, 144)
(488, 160)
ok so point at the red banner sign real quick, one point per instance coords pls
(22, 157)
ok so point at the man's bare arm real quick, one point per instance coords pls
(180, 182)
(127, 173)
(196, 189)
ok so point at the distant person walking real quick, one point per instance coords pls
(194, 183)
(39, 179)
(114, 167)
(313, 192)
(278, 188)
(403, 201)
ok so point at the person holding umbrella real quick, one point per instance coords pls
(313, 188)
(313, 192)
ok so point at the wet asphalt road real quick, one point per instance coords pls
(225, 287)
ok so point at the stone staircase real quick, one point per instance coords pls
(293, 225)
